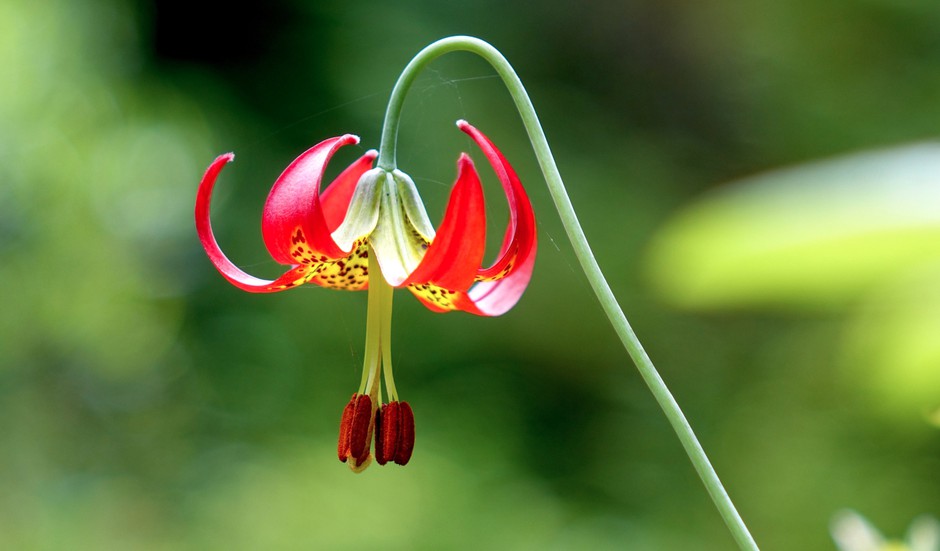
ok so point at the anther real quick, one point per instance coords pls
(344, 425)
(395, 433)
(355, 431)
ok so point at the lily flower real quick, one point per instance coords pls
(369, 230)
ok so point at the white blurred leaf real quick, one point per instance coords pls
(852, 532)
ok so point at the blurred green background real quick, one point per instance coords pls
(147, 404)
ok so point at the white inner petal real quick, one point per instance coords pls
(363, 212)
(397, 243)
(413, 205)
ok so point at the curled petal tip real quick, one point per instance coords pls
(501, 285)
(349, 139)
(225, 266)
(372, 154)
(461, 124)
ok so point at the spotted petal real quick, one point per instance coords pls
(455, 254)
(309, 264)
(499, 286)
(293, 215)
(502, 284)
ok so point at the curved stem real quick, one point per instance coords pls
(582, 249)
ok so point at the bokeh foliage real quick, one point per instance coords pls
(146, 404)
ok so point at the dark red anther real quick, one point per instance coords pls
(344, 425)
(360, 434)
(355, 430)
(386, 441)
(406, 444)
(395, 433)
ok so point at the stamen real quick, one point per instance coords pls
(387, 421)
(360, 433)
(393, 424)
(355, 432)
(406, 444)
(394, 433)
(344, 425)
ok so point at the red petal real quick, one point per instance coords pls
(502, 284)
(455, 253)
(293, 211)
(496, 297)
(230, 271)
(335, 198)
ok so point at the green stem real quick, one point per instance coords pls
(387, 160)
(372, 359)
(378, 354)
(386, 335)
